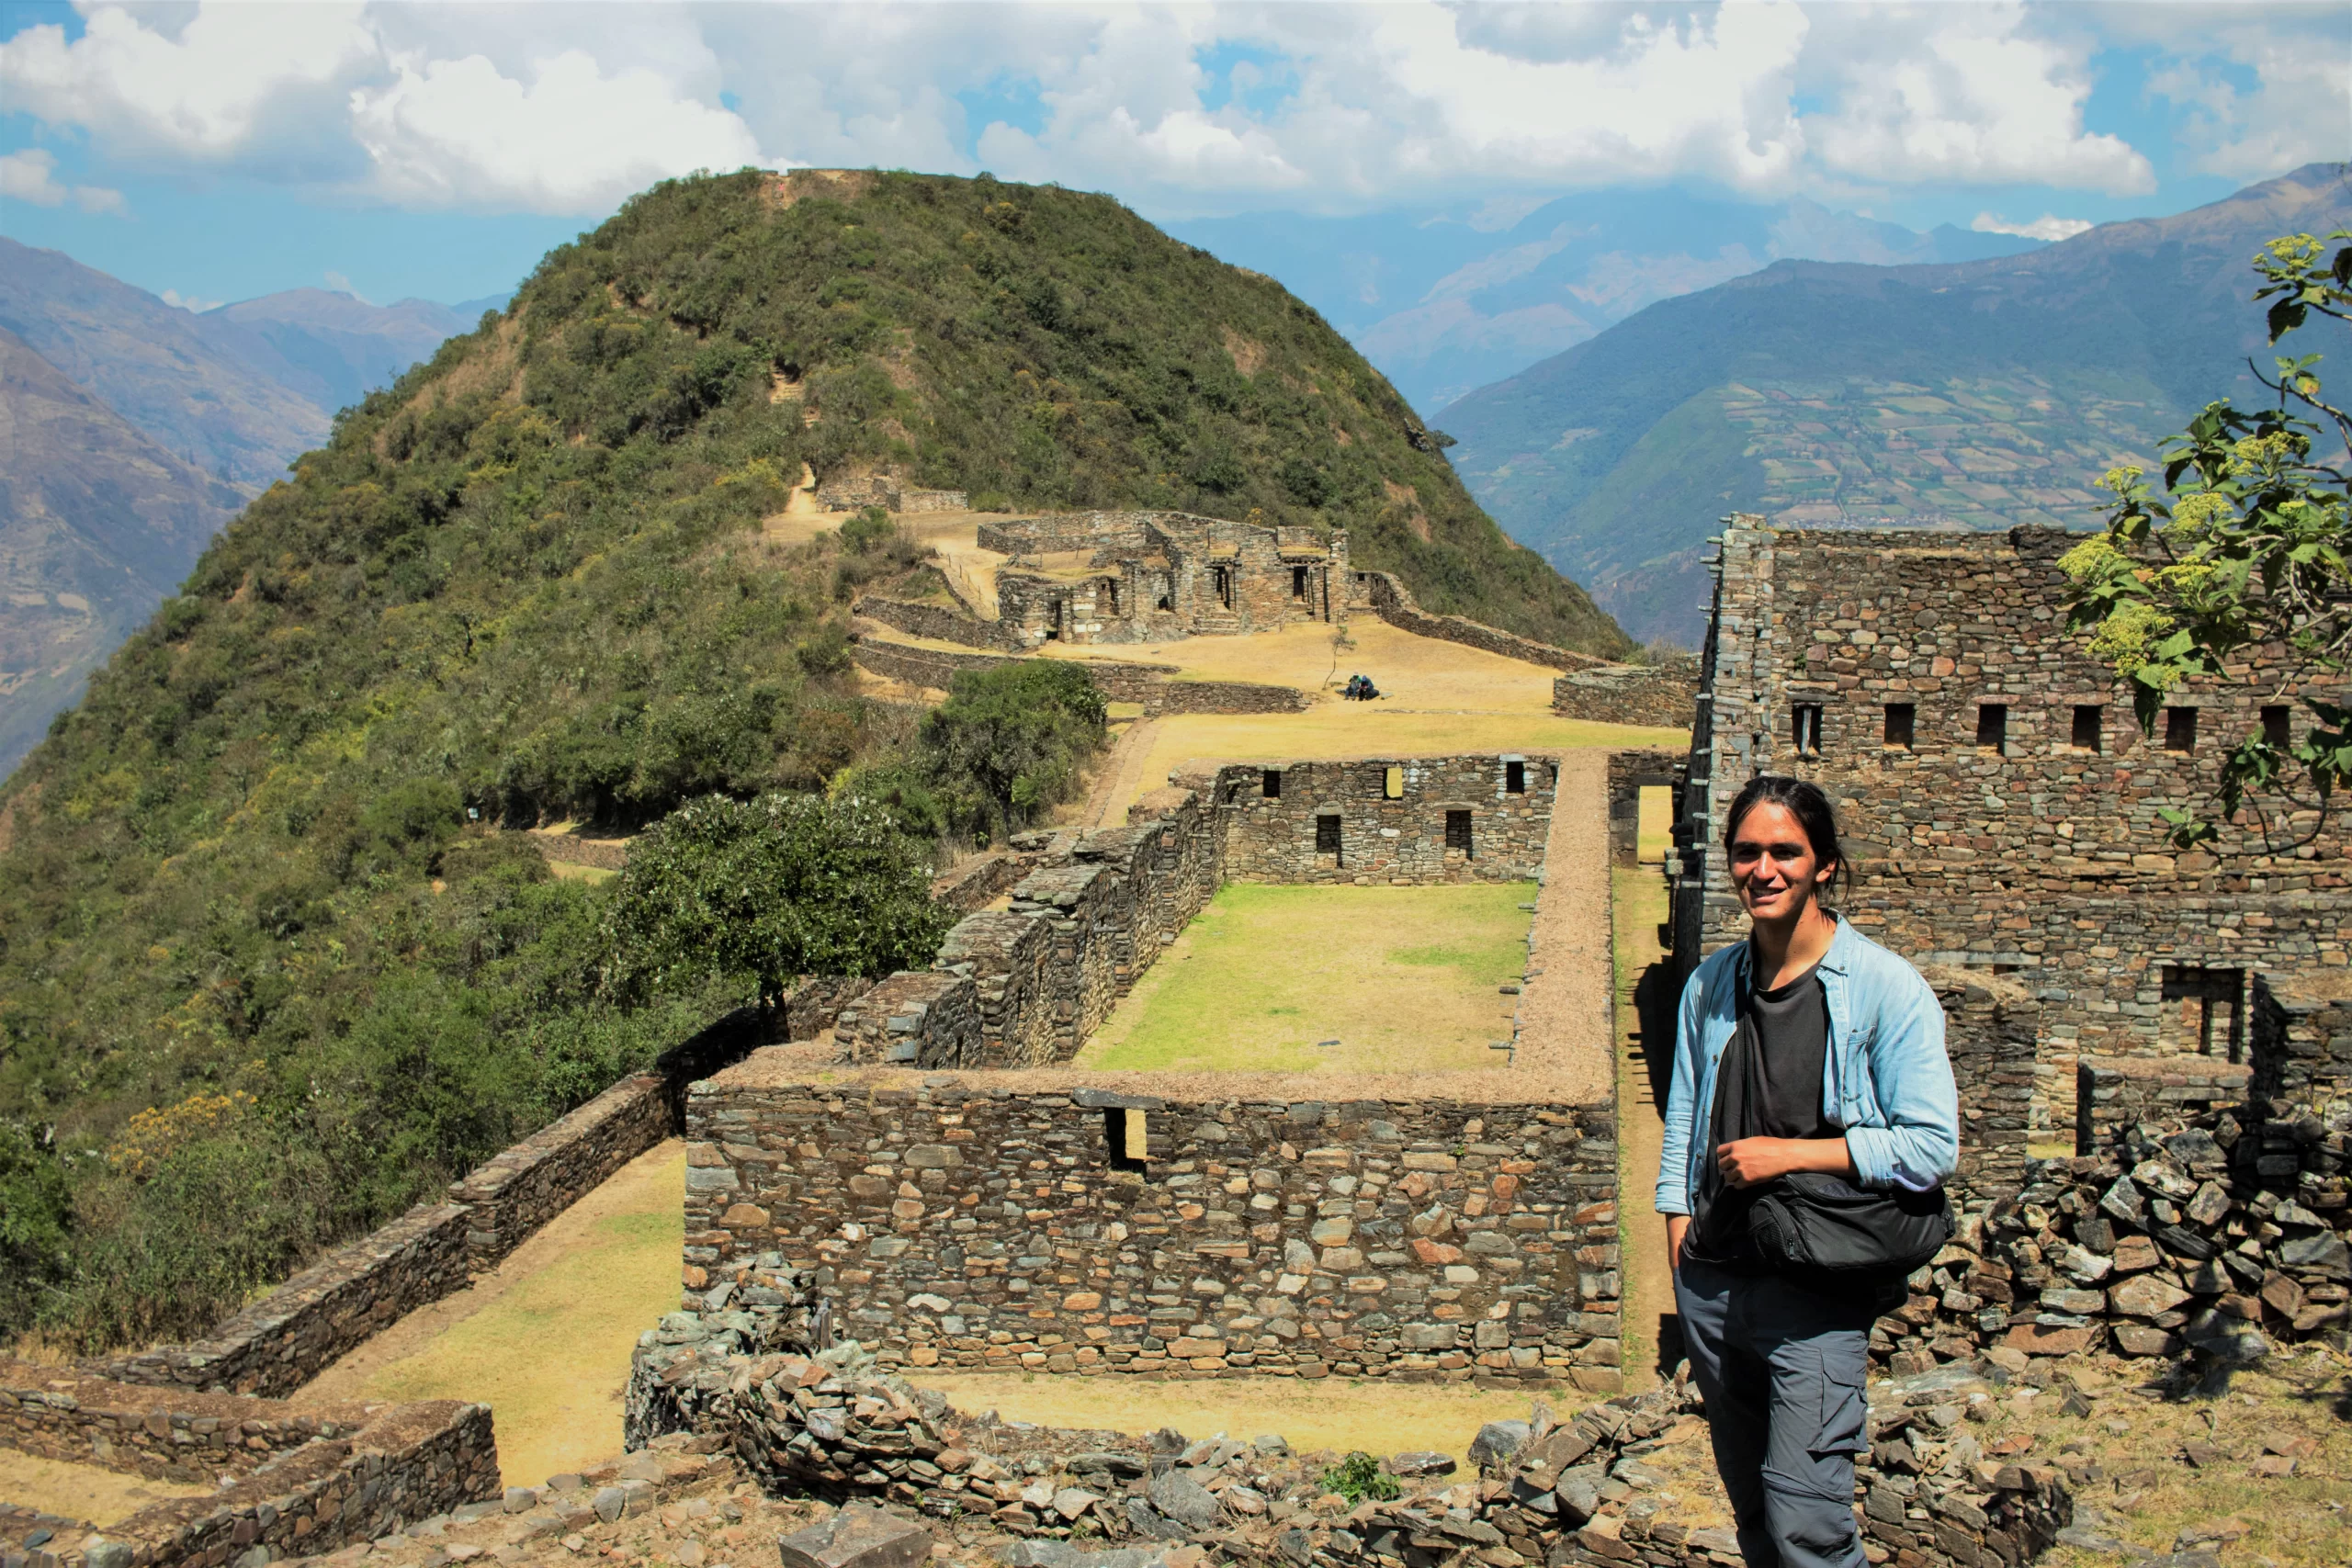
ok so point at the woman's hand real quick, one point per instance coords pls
(1752, 1160)
(1676, 1224)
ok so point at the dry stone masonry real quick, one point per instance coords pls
(2000, 804)
(291, 1482)
(953, 1223)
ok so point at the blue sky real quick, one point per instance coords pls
(219, 151)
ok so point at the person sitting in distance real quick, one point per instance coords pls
(1808, 1048)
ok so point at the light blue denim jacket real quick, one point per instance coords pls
(1885, 1078)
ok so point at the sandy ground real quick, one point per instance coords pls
(1640, 905)
(1359, 967)
(1564, 1011)
(1339, 1414)
(1411, 672)
(82, 1491)
(545, 1340)
(1118, 777)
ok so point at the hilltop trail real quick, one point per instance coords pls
(1121, 776)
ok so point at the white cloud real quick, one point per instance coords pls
(31, 176)
(329, 94)
(2296, 110)
(1195, 107)
(1964, 95)
(188, 302)
(2045, 227)
(570, 138)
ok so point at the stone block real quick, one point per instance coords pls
(859, 1535)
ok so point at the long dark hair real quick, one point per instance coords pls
(1802, 799)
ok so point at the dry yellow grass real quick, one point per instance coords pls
(546, 1339)
(82, 1491)
(1338, 1413)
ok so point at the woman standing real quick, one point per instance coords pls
(1808, 1048)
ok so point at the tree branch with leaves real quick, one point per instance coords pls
(2242, 554)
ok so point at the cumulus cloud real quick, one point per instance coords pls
(332, 94)
(188, 302)
(569, 139)
(2042, 228)
(1196, 107)
(2285, 102)
(1964, 95)
(31, 176)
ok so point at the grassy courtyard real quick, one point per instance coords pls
(1403, 978)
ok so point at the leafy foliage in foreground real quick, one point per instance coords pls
(2253, 550)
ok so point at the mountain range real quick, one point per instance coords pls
(1447, 301)
(134, 429)
(1979, 394)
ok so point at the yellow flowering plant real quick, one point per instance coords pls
(2243, 550)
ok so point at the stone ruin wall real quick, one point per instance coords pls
(1150, 685)
(1385, 595)
(1025, 987)
(1065, 1229)
(2042, 859)
(1656, 695)
(281, 1341)
(297, 1482)
(1154, 575)
(1401, 840)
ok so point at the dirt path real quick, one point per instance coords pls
(1564, 1008)
(545, 1340)
(1640, 904)
(1120, 778)
(1338, 1413)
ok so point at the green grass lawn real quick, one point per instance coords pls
(1404, 978)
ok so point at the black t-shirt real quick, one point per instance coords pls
(1767, 1086)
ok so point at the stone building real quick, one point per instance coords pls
(2000, 804)
(1099, 577)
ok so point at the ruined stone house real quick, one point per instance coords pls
(2000, 804)
(1099, 577)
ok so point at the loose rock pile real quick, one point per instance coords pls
(833, 1425)
(2216, 1237)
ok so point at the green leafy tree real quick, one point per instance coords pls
(2244, 550)
(756, 893)
(1010, 742)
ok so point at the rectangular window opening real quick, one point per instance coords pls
(1514, 778)
(2180, 729)
(1326, 835)
(1457, 830)
(1114, 587)
(1125, 1138)
(2211, 1017)
(1298, 582)
(1899, 722)
(1223, 576)
(1392, 784)
(1992, 728)
(1271, 783)
(1805, 728)
(2090, 731)
(2277, 726)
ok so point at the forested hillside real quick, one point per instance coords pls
(267, 971)
(1977, 395)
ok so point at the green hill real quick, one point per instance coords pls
(1977, 395)
(267, 975)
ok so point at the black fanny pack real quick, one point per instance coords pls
(1813, 1222)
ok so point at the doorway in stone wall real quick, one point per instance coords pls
(2204, 1011)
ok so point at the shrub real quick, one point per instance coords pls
(753, 894)
(1359, 1476)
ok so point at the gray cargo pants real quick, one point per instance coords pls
(1782, 1368)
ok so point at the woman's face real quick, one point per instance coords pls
(1773, 863)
